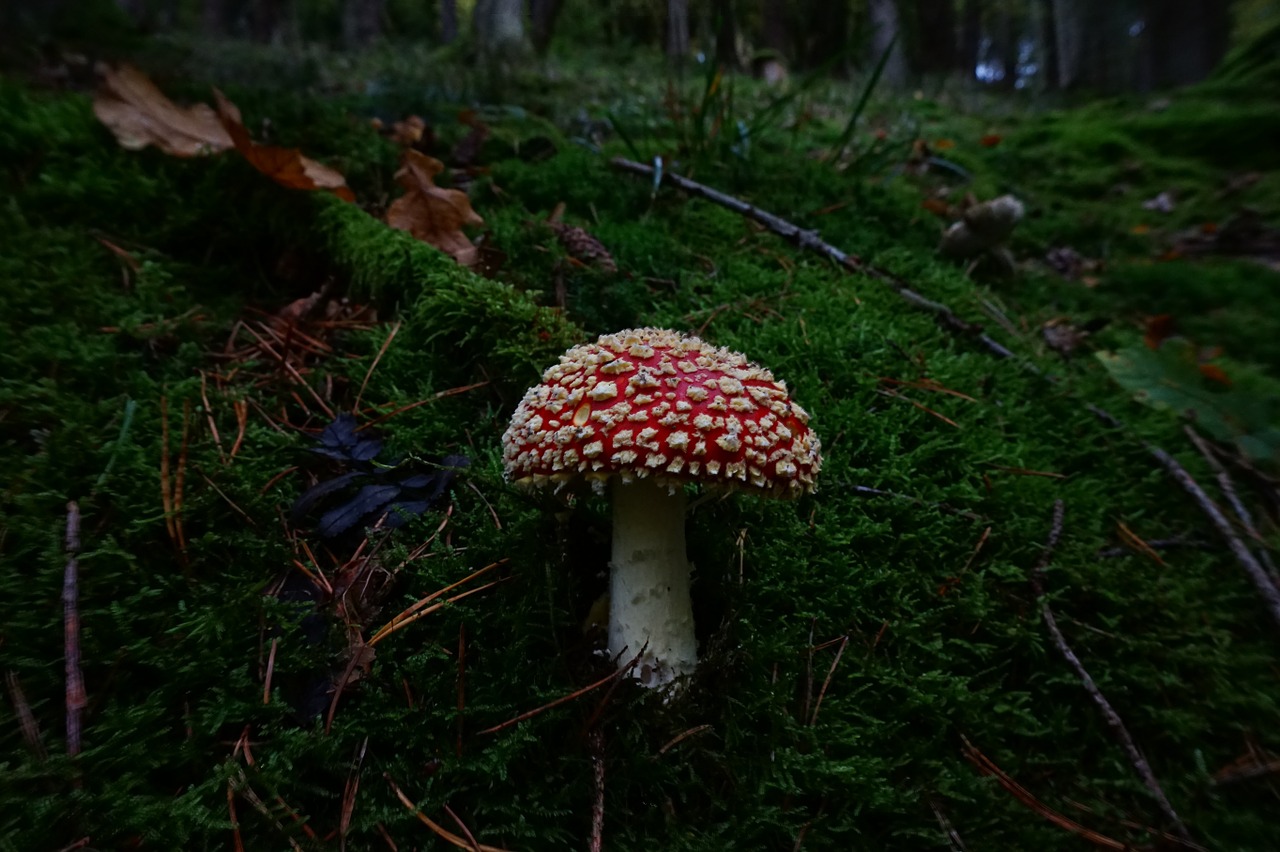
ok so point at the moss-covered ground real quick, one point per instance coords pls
(852, 641)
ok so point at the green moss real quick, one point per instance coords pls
(930, 588)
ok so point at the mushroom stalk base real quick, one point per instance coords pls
(649, 602)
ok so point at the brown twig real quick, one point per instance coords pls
(681, 737)
(26, 719)
(1112, 718)
(382, 350)
(564, 699)
(810, 240)
(416, 610)
(462, 684)
(826, 682)
(439, 830)
(76, 699)
(271, 667)
(595, 740)
(349, 792)
(987, 767)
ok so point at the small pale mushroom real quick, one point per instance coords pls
(642, 412)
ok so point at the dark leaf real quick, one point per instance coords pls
(368, 500)
(313, 495)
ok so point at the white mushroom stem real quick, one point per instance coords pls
(649, 603)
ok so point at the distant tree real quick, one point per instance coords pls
(885, 28)
(775, 33)
(361, 22)
(542, 20)
(677, 41)
(971, 35)
(499, 27)
(448, 21)
(726, 24)
(936, 36)
(1184, 40)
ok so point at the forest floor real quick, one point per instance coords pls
(1053, 457)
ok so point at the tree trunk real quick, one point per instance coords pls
(1068, 26)
(1184, 39)
(726, 35)
(361, 22)
(1049, 65)
(886, 32)
(971, 37)
(448, 21)
(774, 35)
(677, 29)
(936, 23)
(499, 27)
(542, 19)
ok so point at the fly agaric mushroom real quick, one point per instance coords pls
(645, 411)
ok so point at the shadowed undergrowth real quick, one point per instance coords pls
(850, 642)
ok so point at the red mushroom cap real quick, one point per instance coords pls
(648, 402)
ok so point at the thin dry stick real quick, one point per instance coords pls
(271, 667)
(166, 495)
(1108, 712)
(1237, 505)
(466, 832)
(953, 836)
(682, 736)
(414, 611)
(811, 241)
(382, 350)
(26, 719)
(1269, 591)
(208, 413)
(71, 630)
(595, 740)
(440, 831)
(349, 795)
(462, 684)
(529, 714)
(817, 705)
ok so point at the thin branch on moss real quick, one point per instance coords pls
(26, 719)
(1261, 580)
(1243, 514)
(439, 830)
(682, 736)
(817, 705)
(240, 783)
(1108, 712)
(76, 699)
(953, 837)
(564, 699)
(595, 741)
(416, 610)
(988, 767)
(807, 239)
(382, 350)
(1257, 574)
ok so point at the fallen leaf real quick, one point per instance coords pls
(943, 144)
(937, 207)
(1140, 229)
(430, 213)
(991, 140)
(1215, 373)
(139, 114)
(408, 133)
(1159, 328)
(286, 166)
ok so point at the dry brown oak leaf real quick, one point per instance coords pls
(430, 213)
(286, 166)
(139, 114)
